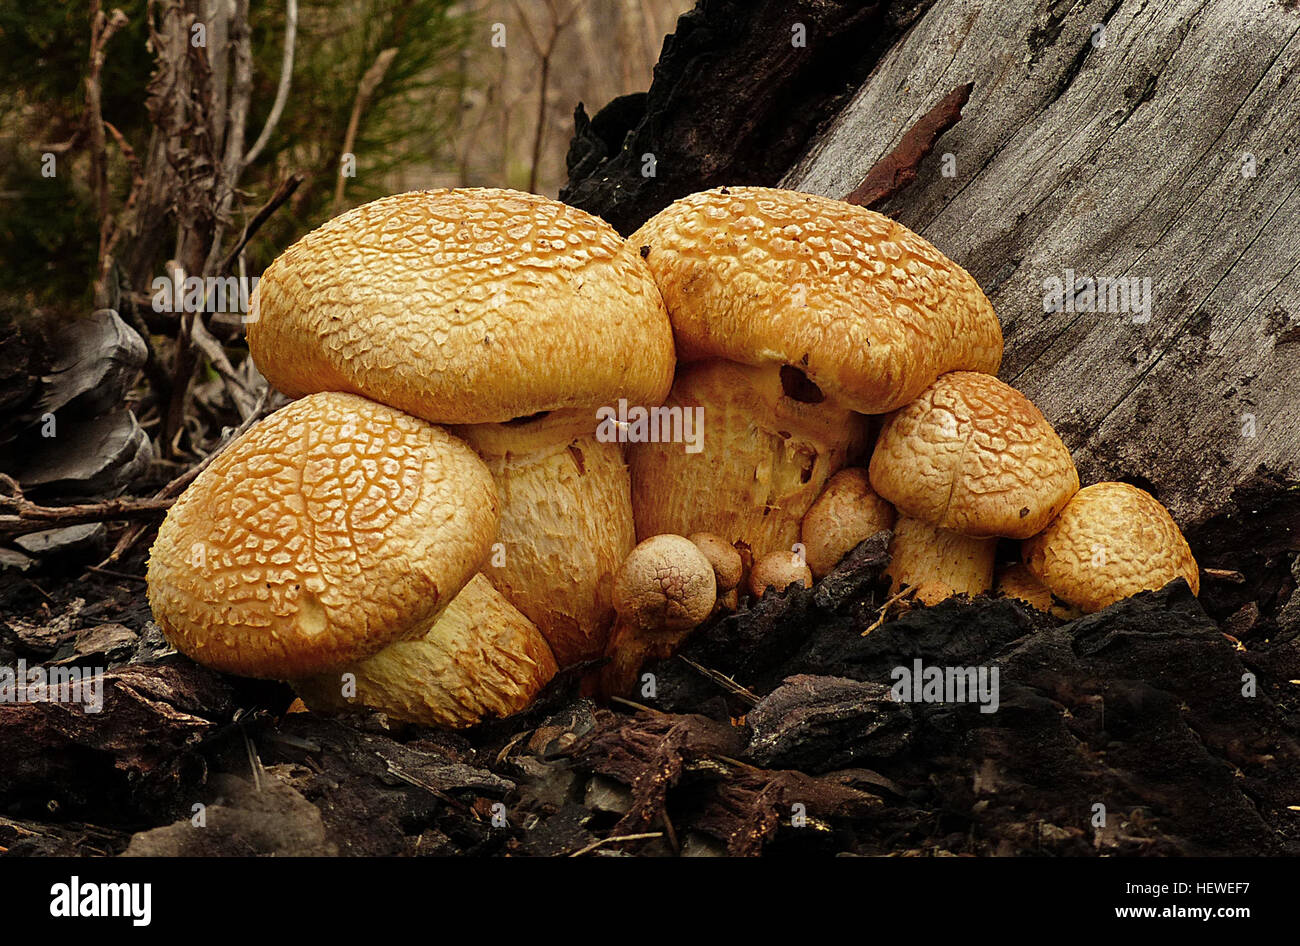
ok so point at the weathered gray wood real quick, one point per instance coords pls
(99, 456)
(101, 357)
(1122, 158)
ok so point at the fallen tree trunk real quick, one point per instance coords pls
(1110, 140)
(1120, 182)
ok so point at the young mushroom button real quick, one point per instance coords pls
(1111, 540)
(664, 590)
(847, 512)
(779, 570)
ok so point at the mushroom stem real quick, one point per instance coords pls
(480, 659)
(770, 441)
(938, 563)
(665, 589)
(566, 525)
(631, 648)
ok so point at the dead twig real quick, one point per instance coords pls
(282, 194)
(621, 837)
(282, 90)
(369, 82)
(559, 21)
(22, 516)
(724, 681)
(884, 608)
(232, 163)
(102, 28)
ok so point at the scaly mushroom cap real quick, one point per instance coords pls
(480, 659)
(975, 456)
(1111, 541)
(870, 311)
(847, 512)
(331, 529)
(779, 570)
(666, 584)
(464, 306)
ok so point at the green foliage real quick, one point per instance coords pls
(48, 229)
(401, 126)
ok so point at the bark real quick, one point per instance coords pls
(1128, 156)
(734, 100)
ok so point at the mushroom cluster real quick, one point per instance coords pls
(797, 318)
(449, 350)
(439, 522)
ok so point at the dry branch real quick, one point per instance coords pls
(366, 88)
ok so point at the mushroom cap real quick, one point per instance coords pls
(481, 658)
(465, 306)
(974, 455)
(1111, 541)
(666, 583)
(870, 311)
(728, 568)
(779, 570)
(847, 512)
(333, 528)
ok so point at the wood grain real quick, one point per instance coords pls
(1122, 158)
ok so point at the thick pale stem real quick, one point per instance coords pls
(767, 444)
(566, 526)
(939, 563)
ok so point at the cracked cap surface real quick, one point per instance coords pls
(466, 306)
(1111, 541)
(869, 310)
(975, 456)
(329, 530)
(666, 583)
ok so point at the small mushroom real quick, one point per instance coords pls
(824, 311)
(332, 529)
(514, 317)
(481, 659)
(847, 512)
(1111, 541)
(728, 567)
(779, 570)
(973, 458)
(665, 589)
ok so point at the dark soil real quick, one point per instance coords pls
(1148, 728)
